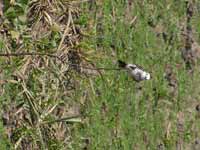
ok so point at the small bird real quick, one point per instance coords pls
(136, 72)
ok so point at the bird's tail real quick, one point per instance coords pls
(121, 64)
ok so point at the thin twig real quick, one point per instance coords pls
(66, 29)
(65, 119)
(81, 1)
(26, 53)
(53, 56)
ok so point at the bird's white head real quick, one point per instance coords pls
(147, 77)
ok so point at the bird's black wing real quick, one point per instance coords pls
(121, 64)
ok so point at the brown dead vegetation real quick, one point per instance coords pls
(191, 50)
(44, 116)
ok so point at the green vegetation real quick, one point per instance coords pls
(52, 105)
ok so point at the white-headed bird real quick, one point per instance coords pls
(135, 71)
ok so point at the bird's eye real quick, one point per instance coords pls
(132, 67)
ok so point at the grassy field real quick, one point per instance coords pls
(114, 112)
